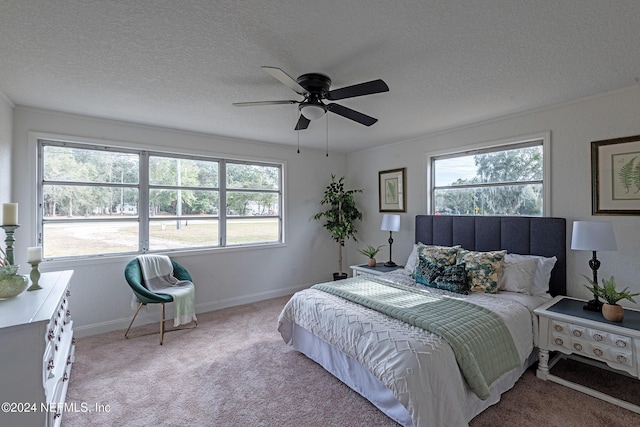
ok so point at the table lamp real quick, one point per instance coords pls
(593, 236)
(390, 223)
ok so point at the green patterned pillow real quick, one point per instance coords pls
(483, 269)
(452, 278)
(439, 255)
(426, 271)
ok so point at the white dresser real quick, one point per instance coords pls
(36, 353)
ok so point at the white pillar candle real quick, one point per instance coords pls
(34, 254)
(10, 214)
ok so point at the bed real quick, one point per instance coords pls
(417, 377)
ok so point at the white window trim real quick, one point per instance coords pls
(545, 137)
(33, 138)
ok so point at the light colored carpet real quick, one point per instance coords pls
(235, 370)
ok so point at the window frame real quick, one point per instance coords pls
(144, 187)
(543, 139)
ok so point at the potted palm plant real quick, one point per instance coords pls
(611, 310)
(371, 252)
(340, 216)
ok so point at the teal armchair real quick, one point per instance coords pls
(133, 275)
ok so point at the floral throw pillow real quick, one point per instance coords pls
(483, 269)
(452, 278)
(439, 255)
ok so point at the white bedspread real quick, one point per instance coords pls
(417, 366)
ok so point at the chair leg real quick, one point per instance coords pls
(162, 325)
(134, 318)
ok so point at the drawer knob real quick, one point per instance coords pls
(559, 341)
(620, 358)
(558, 328)
(621, 343)
(50, 365)
(577, 333)
(577, 346)
(598, 337)
(50, 335)
(598, 352)
(65, 377)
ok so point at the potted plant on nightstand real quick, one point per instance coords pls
(611, 310)
(371, 252)
(340, 216)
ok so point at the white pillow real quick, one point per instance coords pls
(543, 272)
(518, 275)
(412, 261)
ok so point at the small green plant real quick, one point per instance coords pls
(370, 251)
(608, 291)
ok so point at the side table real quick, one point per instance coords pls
(374, 271)
(569, 330)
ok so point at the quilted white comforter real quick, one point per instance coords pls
(417, 366)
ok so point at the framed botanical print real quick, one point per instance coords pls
(615, 176)
(392, 190)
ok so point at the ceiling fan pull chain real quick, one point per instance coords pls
(327, 134)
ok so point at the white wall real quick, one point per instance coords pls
(224, 277)
(6, 124)
(573, 126)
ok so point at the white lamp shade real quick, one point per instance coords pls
(593, 236)
(390, 222)
(312, 111)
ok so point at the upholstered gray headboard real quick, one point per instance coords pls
(520, 235)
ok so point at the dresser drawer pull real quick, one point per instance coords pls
(559, 341)
(577, 346)
(621, 343)
(50, 365)
(622, 359)
(68, 293)
(598, 337)
(50, 335)
(577, 333)
(65, 377)
(598, 352)
(69, 360)
(558, 328)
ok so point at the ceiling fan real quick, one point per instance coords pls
(315, 89)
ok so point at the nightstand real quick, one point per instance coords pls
(373, 271)
(569, 330)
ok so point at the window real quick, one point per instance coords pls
(503, 180)
(91, 198)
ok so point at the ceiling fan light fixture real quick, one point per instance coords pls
(312, 111)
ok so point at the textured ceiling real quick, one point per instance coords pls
(181, 63)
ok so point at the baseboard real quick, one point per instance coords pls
(152, 316)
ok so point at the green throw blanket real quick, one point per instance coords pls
(480, 340)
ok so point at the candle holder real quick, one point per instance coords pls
(35, 276)
(9, 230)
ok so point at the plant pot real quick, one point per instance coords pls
(372, 262)
(613, 312)
(338, 276)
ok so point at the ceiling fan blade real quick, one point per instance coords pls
(368, 88)
(257, 103)
(351, 114)
(303, 123)
(285, 79)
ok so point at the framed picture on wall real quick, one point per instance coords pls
(615, 176)
(392, 190)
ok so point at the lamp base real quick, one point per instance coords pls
(593, 305)
(390, 264)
